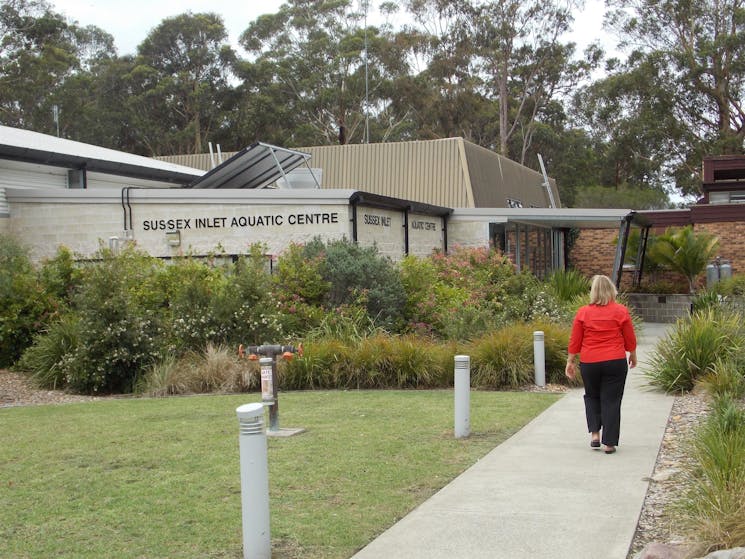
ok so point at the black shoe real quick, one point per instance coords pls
(610, 449)
(595, 444)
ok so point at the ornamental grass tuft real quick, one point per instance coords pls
(215, 369)
(692, 348)
(712, 511)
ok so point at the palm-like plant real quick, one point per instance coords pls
(685, 251)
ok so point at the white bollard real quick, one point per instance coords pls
(539, 358)
(254, 482)
(462, 396)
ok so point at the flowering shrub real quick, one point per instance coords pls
(370, 323)
(469, 292)
(117, 337)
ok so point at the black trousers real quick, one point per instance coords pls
(604, 383)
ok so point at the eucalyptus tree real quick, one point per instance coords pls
(525, 64)
(42, 58)
(694, 53)
(634, 133)
(443, 95)
(180, 82)
(310, 61)
(496, 68)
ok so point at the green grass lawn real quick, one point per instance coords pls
(159, 478)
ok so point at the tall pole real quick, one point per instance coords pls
(367, 106)
(55, 116)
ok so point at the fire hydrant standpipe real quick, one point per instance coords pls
(269, 383)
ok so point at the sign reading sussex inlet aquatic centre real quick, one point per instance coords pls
(267, 220)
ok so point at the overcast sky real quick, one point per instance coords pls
(130, 21)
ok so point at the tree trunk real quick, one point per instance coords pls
(504, 107)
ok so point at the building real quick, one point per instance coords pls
(720, 212)
(451, 172)
(407, 198)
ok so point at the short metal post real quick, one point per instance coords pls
(539, 358)
(269, 390)
(462, 396)
(254, 482)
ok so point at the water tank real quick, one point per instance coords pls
(725, 270)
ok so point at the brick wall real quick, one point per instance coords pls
(595, 249)
(731, 241)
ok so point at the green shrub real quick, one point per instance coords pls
(713, 509)
(502, 359)
(568, 284)
(215, 369)
(300, 290)
(247, 305)
(505, 358)
(469, 322)
(734, 285)
(348, 323)
(725, 378)
(705, 299)
(692, 348)
(325, 364)
(164, 378)
(414, 363)
(48, 359)
(227, 304)
(534, 301)
(190, 289)
(118, 336)
(60, 276)
(434, 305)
(487, 274)
(468, 292)
(420, 284)
(25, 307)
(357, 273)
(368, 364)
(376, 361)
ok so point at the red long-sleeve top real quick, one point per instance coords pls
(602, 333)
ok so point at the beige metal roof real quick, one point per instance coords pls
(449, 172)
(495, 179)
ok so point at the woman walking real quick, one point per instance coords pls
(602, 333)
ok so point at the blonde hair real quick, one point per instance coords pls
(602, 291)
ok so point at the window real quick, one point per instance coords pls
(736, 197)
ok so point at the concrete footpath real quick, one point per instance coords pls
(544, 493)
